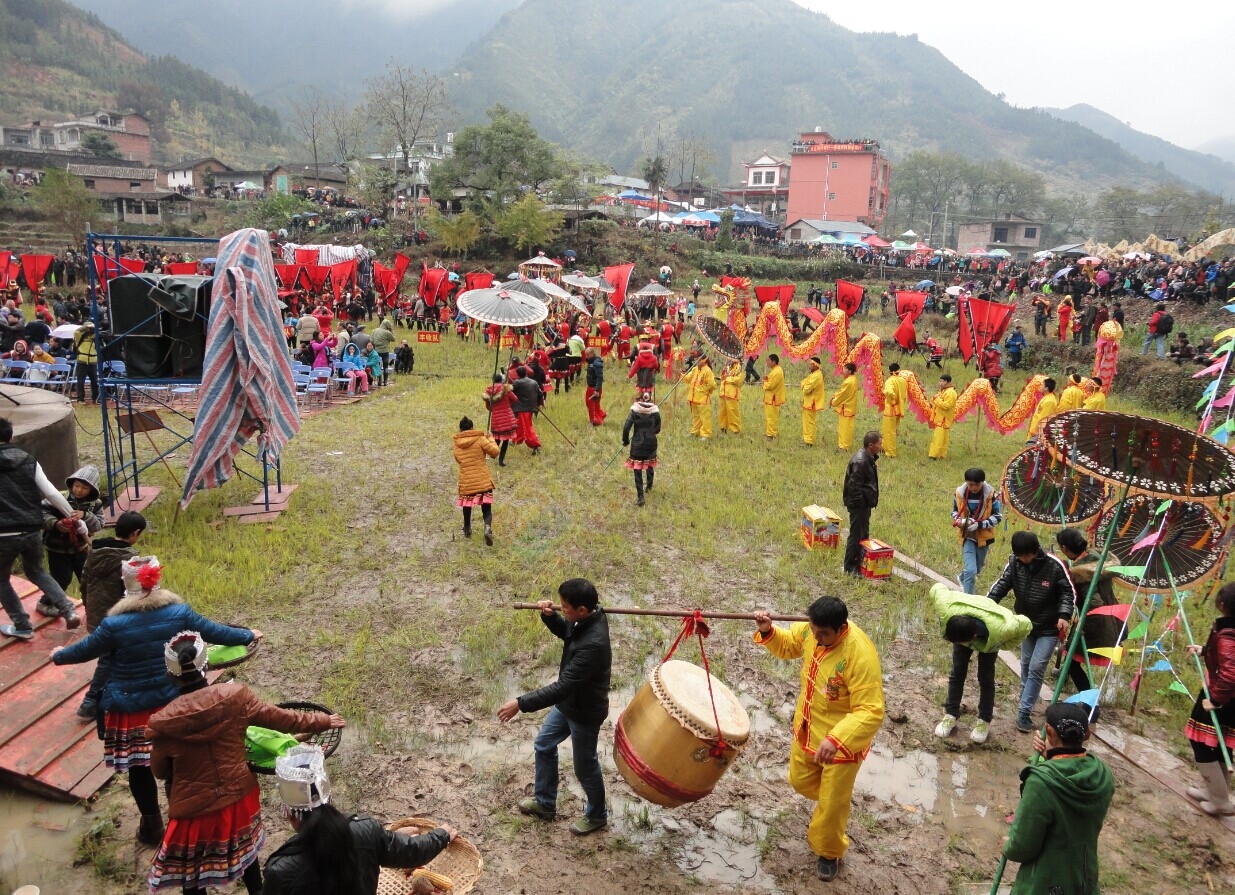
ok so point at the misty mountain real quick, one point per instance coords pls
(1222, 147)
(749, 75)
(1209, 171)
(273, 49)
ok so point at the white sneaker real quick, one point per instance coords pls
(980, 732)
(944, 728)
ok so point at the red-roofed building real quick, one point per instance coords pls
(841, 180)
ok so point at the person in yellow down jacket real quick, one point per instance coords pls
(813, 395)
(839, 711)
(1096, 401)
(472, 450)
(895, 399)
(1048, 406)
(773, 396)
(700, 383)
(730, 395)
(845, 403)
(943, 412)
(1073, 397)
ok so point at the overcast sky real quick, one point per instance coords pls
(1164, 69)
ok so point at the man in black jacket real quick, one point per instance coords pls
(861, 495)
(580, 703)
(1044, 592)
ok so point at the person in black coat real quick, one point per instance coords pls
(644, 420)
(861, 495)
(578, 703)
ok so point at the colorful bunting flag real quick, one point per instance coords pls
(1177, 687)
(1139, 631)
(1147, 541)
(1114, 653)
(1130, 571)
(1160, 665)
(1088, 697)
(1119, 611)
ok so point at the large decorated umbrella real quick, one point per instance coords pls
(719, 337)
(550, 292)
(541, 266)
(1182, 540)
(579, 281)
(1041, 488)
(650, 294)
(1150, 456)
(502, 307)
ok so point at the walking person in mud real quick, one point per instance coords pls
(839, 711)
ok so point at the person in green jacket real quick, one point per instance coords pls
(973, 623)
(383, 339)
(1064, 801)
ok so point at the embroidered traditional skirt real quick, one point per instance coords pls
(475, 500)
(505, 433)
(632, 463)
(211, 849)
(1200, 726)
(125, 744)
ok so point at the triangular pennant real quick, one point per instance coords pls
(1162, 508)
(1160, 665)
(1088, 697)
(1139, 631)
(1114, 653)
(1119, 611)
(1148, 541)
(1135, 683)
(1225, 349)
(1221, 435)
(1177, 687)
(1225, 334)
(1210, 370)
(1130, 571)
(1227, 399)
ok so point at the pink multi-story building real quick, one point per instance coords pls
(838, 180)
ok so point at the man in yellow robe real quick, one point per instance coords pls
(943, 412)
(1048, 406)
(839, 710)
(895, 399)
(845, 403)
(773, 396)
(1096, 401)
(700, 383)
(813, 395)
(1073, 397)
(730, 396)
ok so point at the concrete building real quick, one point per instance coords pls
(1018, 235)
(132, 193)
(842, 180)
(765, 187)
(130, 132)
(192, 174)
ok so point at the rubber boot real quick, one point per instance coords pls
(488, 535)
(150, 830)
(1219, 790)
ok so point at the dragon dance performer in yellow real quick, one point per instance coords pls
(700, 383)
(813, 396)
(773, 396)
(845, 403)
(943, 412)
(730, 394)
(1073, 397)
(1048, 406)
(839, 710)
(1096, 401)
(895, 399)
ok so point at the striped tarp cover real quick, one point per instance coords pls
(247, 385)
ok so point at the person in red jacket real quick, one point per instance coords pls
(666, 339)
(644, 369)
(604, 329)
(624, 334)
(1217, 700)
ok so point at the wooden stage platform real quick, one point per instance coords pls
(44, 747)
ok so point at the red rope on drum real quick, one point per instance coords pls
(695, 624)
(658, 782)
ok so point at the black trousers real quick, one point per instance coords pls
(859, 531)
(986, 682)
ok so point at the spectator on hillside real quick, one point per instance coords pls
(1159, 329)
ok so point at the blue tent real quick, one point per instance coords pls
(753, 219)
(632, 194)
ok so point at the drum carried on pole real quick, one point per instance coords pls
(668, 745)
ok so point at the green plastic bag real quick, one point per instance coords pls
(263, 746)
(219, 655)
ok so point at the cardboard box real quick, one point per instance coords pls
(877, 558)
(820, 527)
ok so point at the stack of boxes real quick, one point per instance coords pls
(820, 527)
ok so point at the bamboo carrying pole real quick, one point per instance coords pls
(678, 613)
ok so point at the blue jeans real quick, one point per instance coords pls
(1035, 655)
(1149, 337)
(974, 558)
(553, 732)
(30, 548)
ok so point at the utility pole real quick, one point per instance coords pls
(946, 205)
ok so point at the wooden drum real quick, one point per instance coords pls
(667, 735)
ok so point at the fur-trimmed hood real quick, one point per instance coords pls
(156, 599)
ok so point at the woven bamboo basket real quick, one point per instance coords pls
(461, 861)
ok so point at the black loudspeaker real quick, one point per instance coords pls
(159, 324)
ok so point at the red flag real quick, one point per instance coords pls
(434, 284)
(400, 268)
(786, 296)
(383, 282)
(619, 278)
(35, 267)
(765, 294)
(4, 268)
(180, 268)
(910, 304)
(982, 322)
(906, 336)
(12, 269)
(477, 280)
(308, 256)
(340, 275)
(317, 274)
(849, 296)
(106, 268)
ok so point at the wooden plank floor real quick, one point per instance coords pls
(44, 746)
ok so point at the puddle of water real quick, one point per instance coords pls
(910, 780)
(36, 840)
(728, 853)
(761, 720)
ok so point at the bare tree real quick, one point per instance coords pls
(347, 129)
(309, 122)
(407, 104)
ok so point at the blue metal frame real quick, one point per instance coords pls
(120, 470)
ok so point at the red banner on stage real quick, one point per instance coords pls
(618, 277)
(106, 268)
(317, 274)
(432, 336)
(849, 296)
(982, 322)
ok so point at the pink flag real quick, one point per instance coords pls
(1225, 400)
(1212, 368)
(1119, 611)
(1147, 541)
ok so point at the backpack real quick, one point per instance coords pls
(305, 355)
(1166, 323)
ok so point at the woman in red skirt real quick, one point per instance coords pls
(1216, 700)
(133, 634)
(214, 803)
(503, 427)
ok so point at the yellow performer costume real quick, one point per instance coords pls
(841, 699)
(813, 396)
(773, 397)
(700, 383)
(895, 397)
(1073, 397)
(1096, 401)
(1048, 406)
(730, 393)
(845, 403)
(943, 412)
